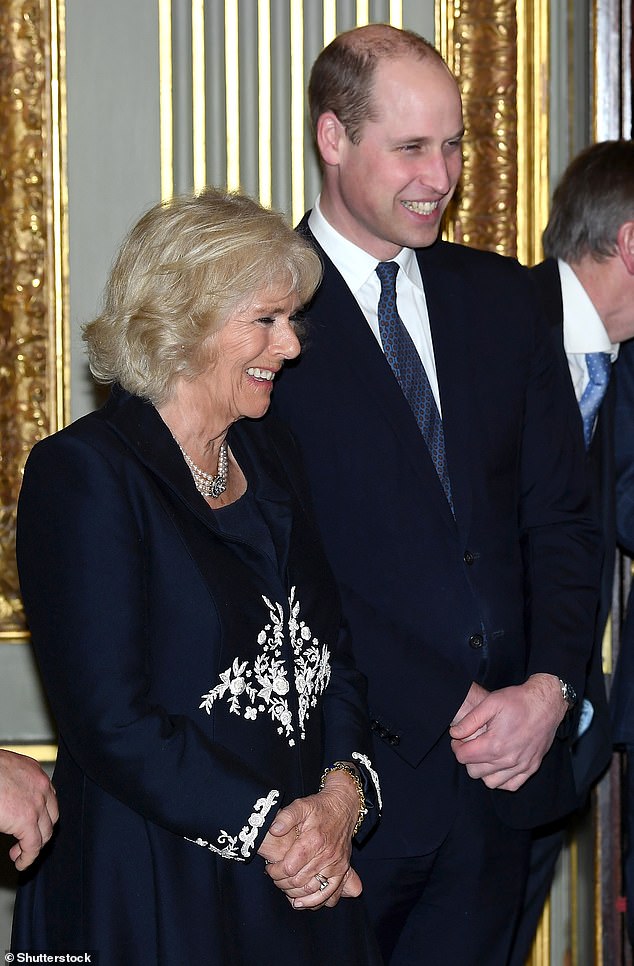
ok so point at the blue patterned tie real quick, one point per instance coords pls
(406, 365)
(599, 366)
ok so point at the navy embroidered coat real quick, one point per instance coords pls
(198, 682)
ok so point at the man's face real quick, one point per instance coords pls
(391, 189)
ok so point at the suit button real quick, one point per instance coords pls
(383, 732)
(468, 557)
(374, 725)
(394, 740)
(476, 641)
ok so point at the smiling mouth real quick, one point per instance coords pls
(267, 375)
(421, 207)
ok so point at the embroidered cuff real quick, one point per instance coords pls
(367, 770)
(240, 846)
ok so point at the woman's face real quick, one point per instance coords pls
(247, 353)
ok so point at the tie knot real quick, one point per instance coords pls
(387, 272)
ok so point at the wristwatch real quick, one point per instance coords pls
(568, 693)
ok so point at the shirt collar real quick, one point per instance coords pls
(356, 265)
(583, 329)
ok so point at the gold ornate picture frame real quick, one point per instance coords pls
(499, 53)
(34, 365)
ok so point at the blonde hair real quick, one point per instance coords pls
(183, 269)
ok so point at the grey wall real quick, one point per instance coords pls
(113, 145)
(570, 101)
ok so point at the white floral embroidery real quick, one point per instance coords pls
(227, 845)
(264, 687)
(365, 761)
(311, 660)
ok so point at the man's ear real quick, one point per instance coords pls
(329, 135)
(625, 245)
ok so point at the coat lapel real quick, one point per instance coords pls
(359, 353)
(447, 299)
(139, 425)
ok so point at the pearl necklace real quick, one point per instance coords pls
(206, 484)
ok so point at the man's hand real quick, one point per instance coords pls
(503, 738)
(475, 696)
(28, 806)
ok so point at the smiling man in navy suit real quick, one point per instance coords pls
(441, 435)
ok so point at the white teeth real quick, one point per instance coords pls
(261, 374)
(421, 207)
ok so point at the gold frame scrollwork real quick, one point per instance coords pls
(498, 50)
(34, 356)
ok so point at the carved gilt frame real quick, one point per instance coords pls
(498, 50)
(34, 363)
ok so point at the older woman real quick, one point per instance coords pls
(213, 753)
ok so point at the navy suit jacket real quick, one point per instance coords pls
(622, 693)
(435, 603)
(592, 752)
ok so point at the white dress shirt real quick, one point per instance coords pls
(583, 329)
(358, 270)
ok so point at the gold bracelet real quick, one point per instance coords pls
(350, 771)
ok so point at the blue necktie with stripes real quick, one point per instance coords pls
(406, 365)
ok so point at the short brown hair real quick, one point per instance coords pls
(342, 77)
(181, 271)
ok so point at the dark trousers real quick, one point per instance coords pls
(545, 848)
(459, 904)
